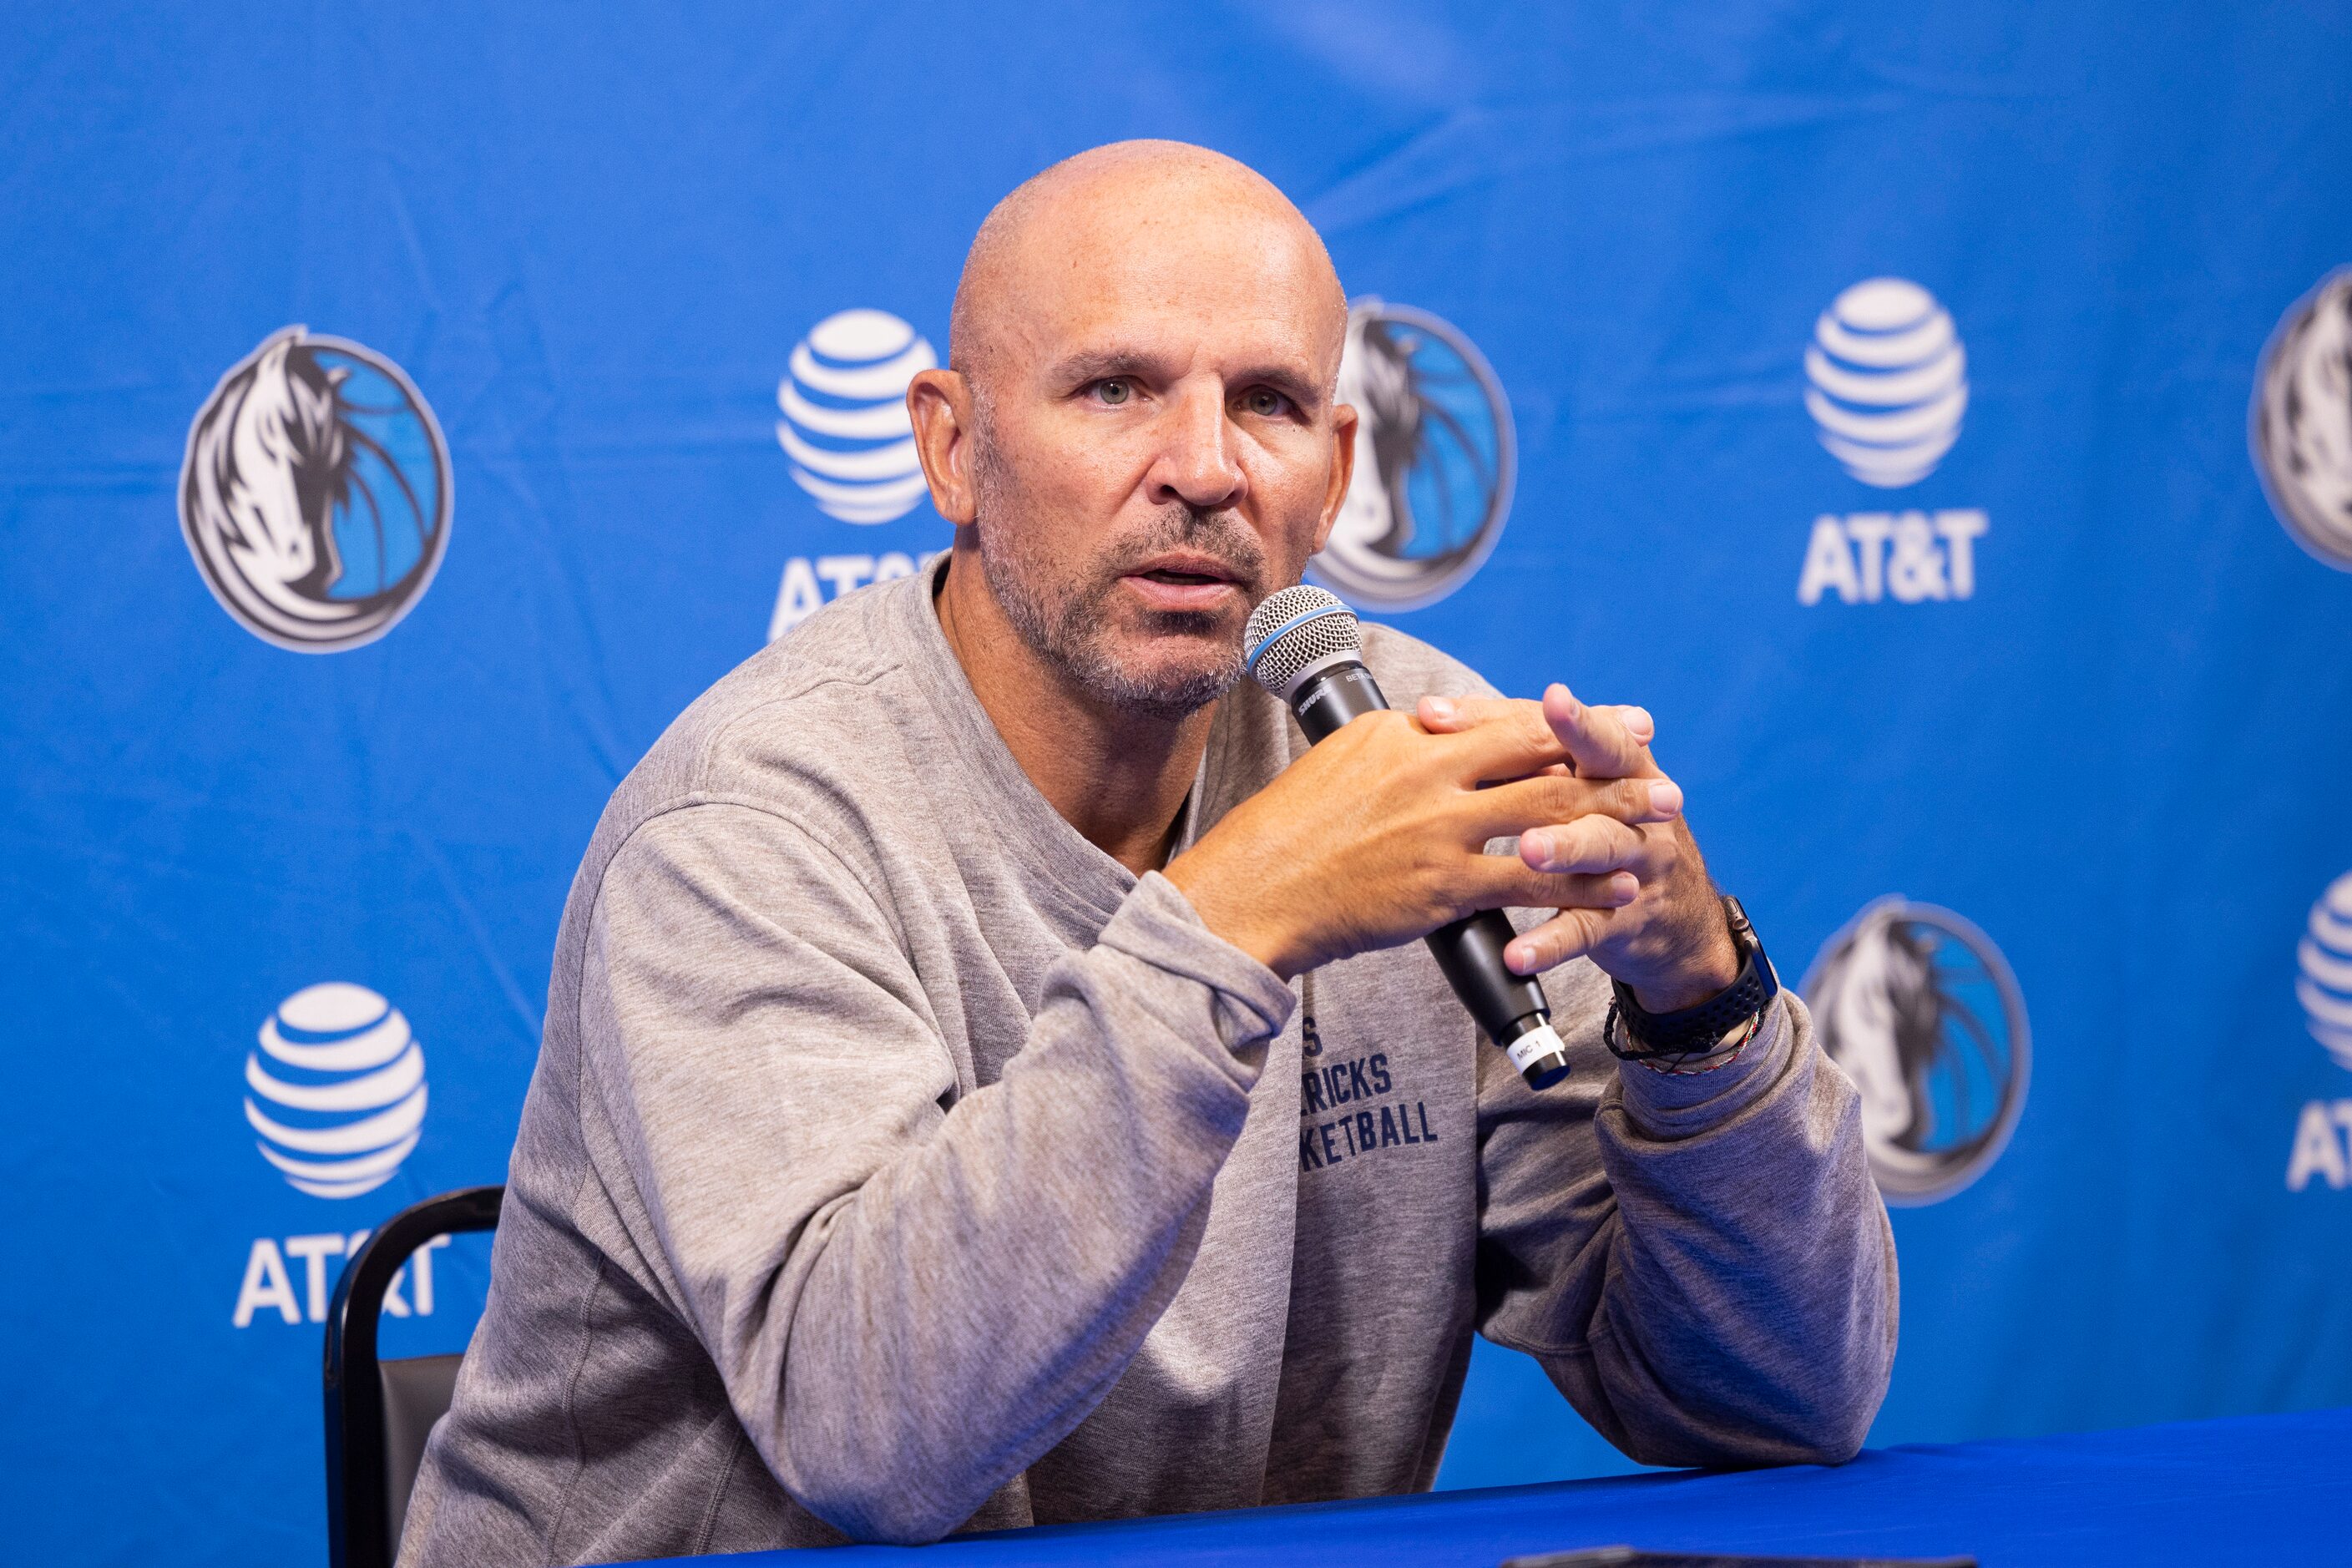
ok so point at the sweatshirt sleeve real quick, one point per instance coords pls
(1721, 1290)
(910, 1293)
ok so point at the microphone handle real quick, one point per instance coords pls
(1509, 1007)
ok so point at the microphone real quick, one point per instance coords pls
(1304, 646)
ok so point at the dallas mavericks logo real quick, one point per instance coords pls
(2323, 962)
(337, 1090)
(1920, 1009)
(1434, 460)
(315, 493)
(1889, 382)
(846, 425)
(2302, 421)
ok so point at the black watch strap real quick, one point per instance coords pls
(1668, 1040)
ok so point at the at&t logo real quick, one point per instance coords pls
(1921, 1011)
(1889, 382)
(1434, 460)
(336, 1091)
(1886, 385)
(2323, 984)
(315, 493)
(798, 596)
(268, 1285)
(852, 446)
(2323, 962)
(845, 426)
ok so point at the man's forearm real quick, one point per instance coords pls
(1750, 1310)
(965, 1298)
(1723, 1291)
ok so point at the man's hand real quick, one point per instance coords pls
(1378, 836)
(1669, 942)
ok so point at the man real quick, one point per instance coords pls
(991, 1073)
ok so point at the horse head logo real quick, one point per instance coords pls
(2301, 422)
(1435, 456)
(315, 495)
(1920, 1010)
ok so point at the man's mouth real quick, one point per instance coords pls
(1187, 569)
(1185, 582)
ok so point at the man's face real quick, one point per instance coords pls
(1156, 449)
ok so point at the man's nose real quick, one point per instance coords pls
(1196, 464)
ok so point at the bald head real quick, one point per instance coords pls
(1133, 217)
(1136, 434)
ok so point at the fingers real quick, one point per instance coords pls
(1604, 743)
(1499, 737)
(1517, 736)
(1451, 715)
(1544, 805)
(1502, 881)
(1591, 845)
(1571, 933)
(1590, 910)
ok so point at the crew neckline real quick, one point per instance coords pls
(1093, 883)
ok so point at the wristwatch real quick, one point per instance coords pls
(1680, 1040)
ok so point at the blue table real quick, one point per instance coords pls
(2261, 1489)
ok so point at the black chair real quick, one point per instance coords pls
(379, 1412)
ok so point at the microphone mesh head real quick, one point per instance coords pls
(1304, 624)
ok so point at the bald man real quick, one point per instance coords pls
(991, 1076)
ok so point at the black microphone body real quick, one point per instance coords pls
(1509, 1007)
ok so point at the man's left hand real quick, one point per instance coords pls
(1670, 942)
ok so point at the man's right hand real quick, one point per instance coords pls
(1379, 835)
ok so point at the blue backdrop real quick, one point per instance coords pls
(406, 410)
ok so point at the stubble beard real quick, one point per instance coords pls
(1065, 617)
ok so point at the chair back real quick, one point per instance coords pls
(379, 1412)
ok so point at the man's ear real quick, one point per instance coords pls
(939, 403)
(1343, 470)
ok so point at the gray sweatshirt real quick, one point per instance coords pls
(896, 1163)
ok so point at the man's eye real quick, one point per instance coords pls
(1264, 402)
(1114, 391)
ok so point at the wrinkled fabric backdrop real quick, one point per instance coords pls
(405, 411)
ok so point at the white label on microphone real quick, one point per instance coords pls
(1540, 1041)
